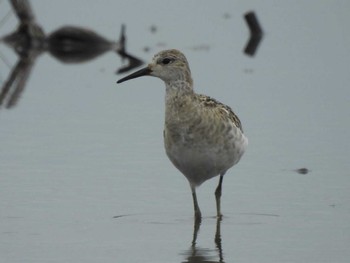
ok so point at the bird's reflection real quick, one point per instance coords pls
(196, 254)
(68, 44)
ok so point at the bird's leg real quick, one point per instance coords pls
(218, 196)
(197, 224)
(197, 211)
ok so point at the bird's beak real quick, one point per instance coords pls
(142, 72)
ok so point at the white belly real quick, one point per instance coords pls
(200, 159)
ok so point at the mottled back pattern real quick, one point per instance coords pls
(224, 109)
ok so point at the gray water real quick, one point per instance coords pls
(83, 173)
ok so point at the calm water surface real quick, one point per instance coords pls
(83, 172)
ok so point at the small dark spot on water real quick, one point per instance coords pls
(153, 29)
(146, 49)
(226, 15)
(302, 171)
(119, 216)
(126, 215)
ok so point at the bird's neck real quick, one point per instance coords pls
(178, 88)
(177, 91)
(178, 101)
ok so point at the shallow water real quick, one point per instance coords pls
(83, 172)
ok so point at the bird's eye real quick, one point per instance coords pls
(167, 61)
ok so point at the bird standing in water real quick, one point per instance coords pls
(203, 138)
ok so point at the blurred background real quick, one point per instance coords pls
(83, 172)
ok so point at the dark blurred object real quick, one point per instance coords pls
(153, 29)
(133, 62)
(28, 35)
(302, 171)
(256, 33)
(68, 44)
(28, 41)
(73, 44)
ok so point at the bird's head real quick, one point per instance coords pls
(168, 65)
